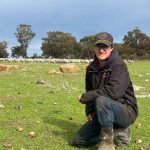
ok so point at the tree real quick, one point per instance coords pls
(87, 44)
(3, 51)
(24, 36)
(59, 45)
(35, 55)
(138, 41)
(18, 51)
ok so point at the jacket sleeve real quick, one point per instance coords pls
(115, 88)
(90, 106)
(88, 86)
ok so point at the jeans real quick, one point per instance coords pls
(109, 114)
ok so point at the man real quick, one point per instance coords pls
(110, 100)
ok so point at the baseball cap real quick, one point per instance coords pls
(104, 38)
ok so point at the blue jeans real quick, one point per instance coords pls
(110, 114)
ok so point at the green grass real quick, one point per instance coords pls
(52, 109)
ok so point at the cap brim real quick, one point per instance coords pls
(103, 42)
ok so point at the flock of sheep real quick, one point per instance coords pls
(40, 60)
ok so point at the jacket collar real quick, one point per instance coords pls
(96, 65)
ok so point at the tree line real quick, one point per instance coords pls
(57, 44)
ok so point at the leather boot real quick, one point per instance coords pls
(106, 139)
(122, 136)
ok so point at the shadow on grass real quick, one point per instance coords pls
(68, 129)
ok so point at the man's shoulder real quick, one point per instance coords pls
(118, 61)
(91, 63)
(91, 66)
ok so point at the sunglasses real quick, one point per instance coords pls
(104, 47)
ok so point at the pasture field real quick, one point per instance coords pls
(52, 110)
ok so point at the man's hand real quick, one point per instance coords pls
(81, 97)
(87, 97)
(90, 116)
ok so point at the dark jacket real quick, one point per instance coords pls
(112, 81)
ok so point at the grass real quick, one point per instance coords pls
(52, 110)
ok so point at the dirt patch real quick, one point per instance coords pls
(8, 67)
(69, 68)
(8, 97)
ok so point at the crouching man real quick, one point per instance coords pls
(109, 98)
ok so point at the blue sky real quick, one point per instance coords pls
(79, 17)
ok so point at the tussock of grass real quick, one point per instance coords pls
(52, 110)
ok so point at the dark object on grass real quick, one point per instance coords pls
(40, 81)
(18, 107)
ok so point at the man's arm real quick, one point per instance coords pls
(115, 88)
(89, 107)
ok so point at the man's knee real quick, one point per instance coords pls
(102, 101)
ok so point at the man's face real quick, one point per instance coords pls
(102, 51)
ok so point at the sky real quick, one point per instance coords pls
(79, 17)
